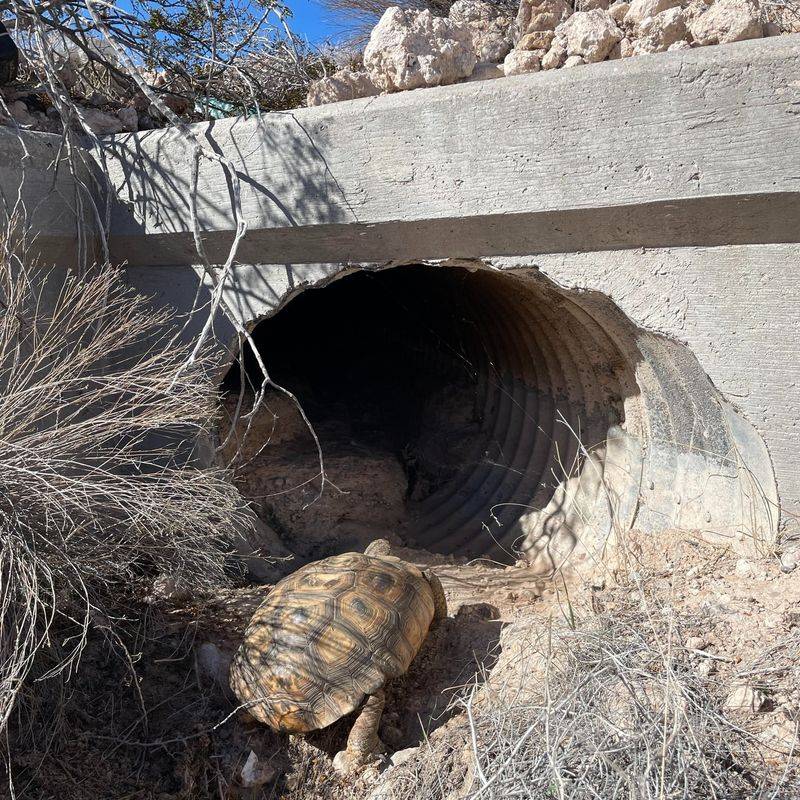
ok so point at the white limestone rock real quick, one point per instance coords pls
(727, 21)
(129, 118)
(590, 5)
(100, 123)
(410, 49)
(19, 111)
(590, 35)
(618, 11)
(255, 774)
(486, 72)
(626, 48)
(640, 9)
(519, 62)
(656, 34)
(490, 27)
(573, 61)
(682, 45)
(538, 40)
(556, 55)
(745, 698)
(539, 15)
(345, 84)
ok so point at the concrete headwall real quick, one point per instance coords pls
(51, 198)
(648, 205)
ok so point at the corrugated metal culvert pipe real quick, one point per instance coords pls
(529, 418)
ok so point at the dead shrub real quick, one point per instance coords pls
(612, 707)
(96, 496)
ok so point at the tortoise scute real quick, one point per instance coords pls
(329, 635)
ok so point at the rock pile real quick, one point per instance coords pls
(478, 40)
(30, 106)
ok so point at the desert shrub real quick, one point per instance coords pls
(203, 58)
(612, 707)
(97, 498)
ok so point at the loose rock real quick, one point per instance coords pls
(521, 61)
(727, 21)
(490, 27)
(590, 35)
(618, 11)
(745, 698)
(538, 40)
(129, 119)
(19, 111)
(556, 55)
(254, 773)
(409, 49)
(539, 15)
(573, 61)
(486, 72)
(346, 84)
(640, 9)
(100, 123)
(656, 34)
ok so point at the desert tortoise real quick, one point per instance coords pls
(330, 635)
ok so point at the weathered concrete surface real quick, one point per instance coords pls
(433, 173)
(668, 186)
(53, 207)
(645, 213)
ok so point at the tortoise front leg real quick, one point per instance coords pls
(363, 741)
(439, 600)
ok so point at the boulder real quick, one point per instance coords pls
(656, 34)
(519, 62)
(486, 72)
(539, 15)
(618, 11)
(489, 26)
(538, 40)
(573, 61)
(409, 49)
(556, 55)
(129, 119)
(346, 84)
(640, 9)
(590, 35)
(727, 21)
(681, 45)
(21, 114)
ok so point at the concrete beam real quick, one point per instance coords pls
(52, 199)
(697, 147)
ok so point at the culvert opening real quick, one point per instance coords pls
(456, 409)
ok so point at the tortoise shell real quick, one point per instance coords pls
(327, 636)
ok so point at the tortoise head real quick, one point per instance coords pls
(380, 547)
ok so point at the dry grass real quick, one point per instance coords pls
(96, 499)
(613, 707)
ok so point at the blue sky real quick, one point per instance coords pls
(309, 19)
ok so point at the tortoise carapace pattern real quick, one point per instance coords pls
(329, 635)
